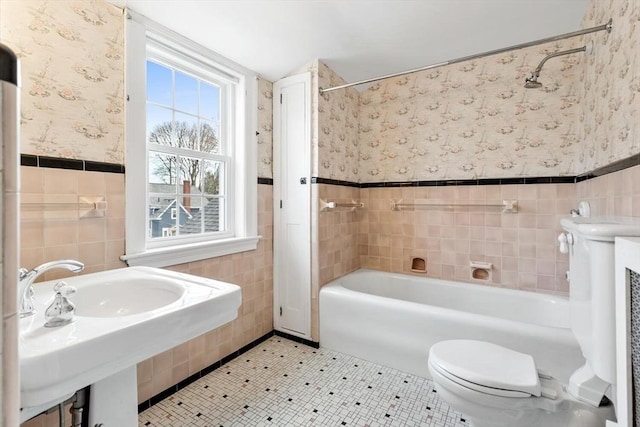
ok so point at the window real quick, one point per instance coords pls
(191, 171)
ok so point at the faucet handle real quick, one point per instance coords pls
(61, 311)
(64, 289)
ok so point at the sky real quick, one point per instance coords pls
(176, 95)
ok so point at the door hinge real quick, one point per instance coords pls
(280, 204)
(280, 311)
(280, 98)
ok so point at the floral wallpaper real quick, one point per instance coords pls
(473, 120)
(338, 142)
(476, 120)
(72, 76)
(609, 114)
(265, 129)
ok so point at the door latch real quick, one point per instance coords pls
(303, 180)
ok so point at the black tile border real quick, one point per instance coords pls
(473, 182)
(28, 160)
(318, 180)
(58, 163)
(91, 166)
(70, 164)
(103, 167)
(454, 182)
(85, 165)
(613, 167)
(182, 384)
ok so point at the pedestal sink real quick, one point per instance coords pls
(122, 318)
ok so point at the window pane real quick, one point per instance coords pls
(209, 137)
(186, 192)
(164, 214)
(162, 172)
(159, 83)
(186, 96)
(190, 172)
(193, 225)
(209, 102)
(212, 173)
(205, 216)
(186, 131)
(159, 125)
(213, 214)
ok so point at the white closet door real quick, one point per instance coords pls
(292, 204)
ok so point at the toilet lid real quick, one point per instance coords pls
(487, 365)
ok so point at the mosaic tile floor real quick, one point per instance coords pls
(284, 383)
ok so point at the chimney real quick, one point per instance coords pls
(186, 198)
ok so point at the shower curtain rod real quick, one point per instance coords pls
(608, 26)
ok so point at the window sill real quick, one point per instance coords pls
(165, 257)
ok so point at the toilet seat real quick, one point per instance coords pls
(487, 368)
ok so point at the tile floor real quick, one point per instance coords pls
(284, 383)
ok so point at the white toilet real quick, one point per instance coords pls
(494, 386)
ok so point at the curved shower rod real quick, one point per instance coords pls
(605, 27)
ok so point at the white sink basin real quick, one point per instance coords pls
(118, 298)
(122, 318)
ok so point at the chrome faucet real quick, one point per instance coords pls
(26, 278)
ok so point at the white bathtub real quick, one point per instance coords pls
(393, 320)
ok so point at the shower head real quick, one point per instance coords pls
(532, 82)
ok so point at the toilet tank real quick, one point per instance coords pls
(591, 286)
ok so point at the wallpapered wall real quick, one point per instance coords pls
(472, 120)
(476, 120)
(608, 126)
(73, 80)
(72, 61)
(338, 143)
(265, 128)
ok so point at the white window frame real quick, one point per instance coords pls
(242, 179)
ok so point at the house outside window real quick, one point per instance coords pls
(191, 172)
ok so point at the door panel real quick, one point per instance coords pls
(292, 208)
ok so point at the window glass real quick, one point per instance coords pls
(186, 93)
(209, 102)
(159, 84)
(182, 139)
(190, 147)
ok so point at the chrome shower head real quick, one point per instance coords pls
(532, 82)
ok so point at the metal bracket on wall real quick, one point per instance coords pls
(92, 207)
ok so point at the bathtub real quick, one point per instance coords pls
(393, 319)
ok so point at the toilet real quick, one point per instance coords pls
(494, 386)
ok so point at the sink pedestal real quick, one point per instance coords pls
(113, 401)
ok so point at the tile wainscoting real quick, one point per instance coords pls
(99, 242)
(522, 246)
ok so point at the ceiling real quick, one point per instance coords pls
(358, 38)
